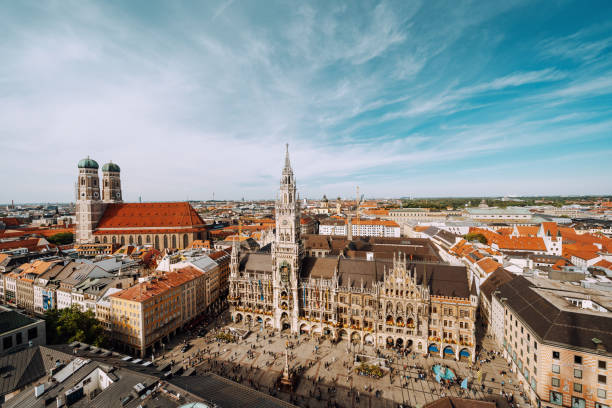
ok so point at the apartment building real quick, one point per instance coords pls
(146, 315)
(360, 228)
(558, 338)
(24, 277)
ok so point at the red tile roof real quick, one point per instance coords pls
(10, 221)
(32, 244)
(527, 230)
(147, 215)
(156, 286)
(522, 244)
(147, 231)
(604, 264)
(488, 265)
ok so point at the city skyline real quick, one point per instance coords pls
(402, 99)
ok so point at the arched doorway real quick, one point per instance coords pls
(464, 355)
(433, 349)
(389, 341)
(399, 342)
(342, 335)
(449, 352)
(268, 322)
(368, 339)
(304, 328)
(355, 338)
(238, 317)
(285, 322)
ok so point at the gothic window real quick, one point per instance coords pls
(131, 240)
(105, 183)
(104, 240)
(114, 240)
(165, 241)
(83, 181)
(148, 239)
(157, 242)
(140, 240)
(174, 241)
(185, 241)
(122, 241)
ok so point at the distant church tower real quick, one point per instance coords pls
(111, 183)
(89, 206)
(287, 252)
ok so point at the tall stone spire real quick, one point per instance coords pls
(287, 161)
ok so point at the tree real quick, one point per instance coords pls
(476, 237)
(68, 325)
(61, 238)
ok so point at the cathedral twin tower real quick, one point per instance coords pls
(90, 204)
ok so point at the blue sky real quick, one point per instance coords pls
(401, 98)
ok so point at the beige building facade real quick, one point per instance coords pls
(558, 337)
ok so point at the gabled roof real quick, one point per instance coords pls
(527, 230)
(488, 265)
(19, 369)
(604, 264)
(149, 215)
(494, 281)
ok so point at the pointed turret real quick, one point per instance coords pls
(473, 290)
(235, 259)
(287, 161)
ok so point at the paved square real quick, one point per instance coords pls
(327, 377)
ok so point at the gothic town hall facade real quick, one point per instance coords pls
(427, 307)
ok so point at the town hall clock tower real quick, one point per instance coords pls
(287, 252)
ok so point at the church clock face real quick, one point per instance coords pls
(284, 272)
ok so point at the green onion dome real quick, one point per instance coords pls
(111, 167)
(88, 163)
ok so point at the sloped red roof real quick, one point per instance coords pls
(527, 230)
(604, 264)
(149, 215)
(155, 287)
(31, 244)
(488, 265)
(10, 221)
(522, 243)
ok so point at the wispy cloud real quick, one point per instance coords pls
(585, 45)
(383, 95)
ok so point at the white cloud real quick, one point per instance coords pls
(187, 108)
